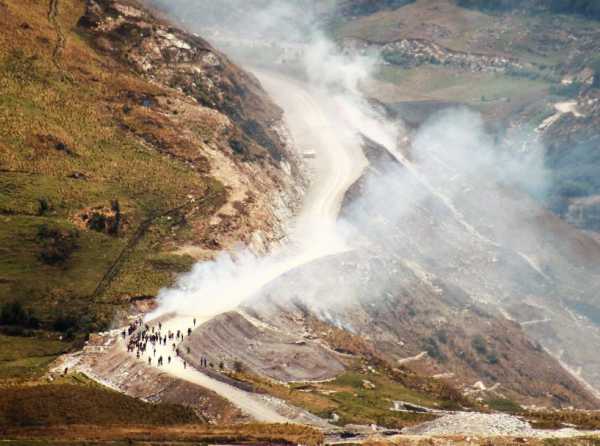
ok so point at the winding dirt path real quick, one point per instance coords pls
(339, 162)
(262, 408)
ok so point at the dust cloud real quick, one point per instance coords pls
(455, 195)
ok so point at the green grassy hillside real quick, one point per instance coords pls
(68, 160)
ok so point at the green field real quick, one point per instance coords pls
(448, 84)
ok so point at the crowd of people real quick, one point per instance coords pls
(141, 337)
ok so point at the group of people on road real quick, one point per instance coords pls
(141, 334)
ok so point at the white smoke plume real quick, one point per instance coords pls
(451, 156)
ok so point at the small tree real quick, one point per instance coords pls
(43, 206)
(115, 224)
(56, 245)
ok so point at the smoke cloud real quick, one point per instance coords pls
(454, 197)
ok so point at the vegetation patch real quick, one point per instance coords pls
(60, 404)
(23, 358)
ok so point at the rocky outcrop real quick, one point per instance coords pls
(187, 63)
(208, 113)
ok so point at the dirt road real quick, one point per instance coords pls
(317, 126)
(338, 162)
(260, 407)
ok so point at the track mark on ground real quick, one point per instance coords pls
(60, 37)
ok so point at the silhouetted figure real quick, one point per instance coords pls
(194, 322)
(149, 360)
(188, 350)
(169, 360)
(184, 364)
(189, 331)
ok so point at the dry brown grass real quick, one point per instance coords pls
(557, 419)
(243, 433)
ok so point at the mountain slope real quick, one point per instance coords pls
(428, 293)
(121, 142)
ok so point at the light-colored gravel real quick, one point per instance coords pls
(487, 425)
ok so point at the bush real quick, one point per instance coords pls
(97, 222)
(14, 314)
(238, 366)
(504, 405)
(479, 345)
(432, 348)
(43, 206)
(492, 358)
(65, 324)
(570, 91)
(56, 245)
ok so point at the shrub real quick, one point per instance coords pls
(570, 91)
(43, 206)
(114, 225)
(97, 222)
(56, 245)
(238, 366)
(479, 345)
(492, 358)
(65, 323)
(504, 405)
(432, 348)
(14, 314)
